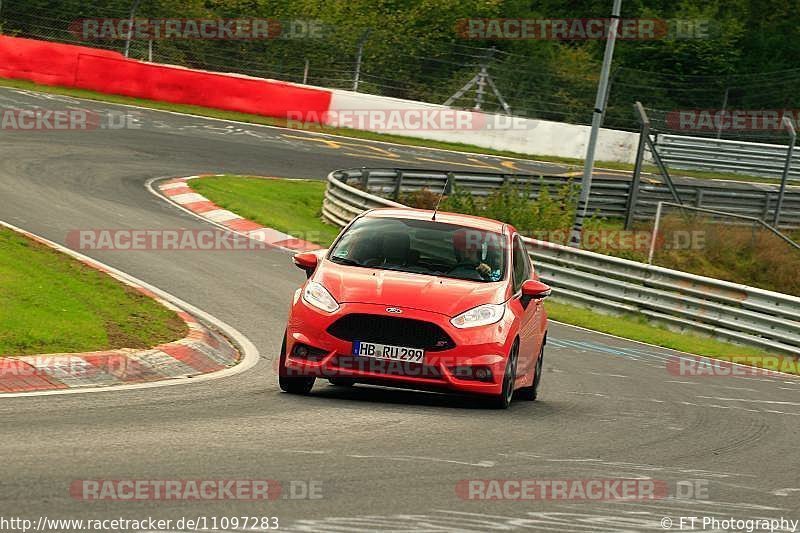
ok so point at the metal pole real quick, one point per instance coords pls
(787, 122)
(480, 89)
(358, 58)
(637, 169)
(150, 50)
(482, 75)
(608, 93)
(724, 108)
(655, 234)
(305, 73)
(597, 117)
(130, 27)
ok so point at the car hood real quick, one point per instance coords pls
(448, 296)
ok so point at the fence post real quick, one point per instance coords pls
(361, 42)
(305, 74)
(633, 193)
(654, 236)
(128, 37)
(724, 109)
(786, 168)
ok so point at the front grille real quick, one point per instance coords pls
(391, 330)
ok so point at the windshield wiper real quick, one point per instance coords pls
(345, 261)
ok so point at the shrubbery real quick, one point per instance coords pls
(531, 210)
(730, 252)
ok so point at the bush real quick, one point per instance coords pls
(421, 199)
(532, 213)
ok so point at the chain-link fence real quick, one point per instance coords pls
(529, 85)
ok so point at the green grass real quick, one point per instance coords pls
(574, 163)
(51, 303)
(638, 328)
(290, 206)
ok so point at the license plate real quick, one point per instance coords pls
(385, 351)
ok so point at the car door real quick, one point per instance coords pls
(530, 313)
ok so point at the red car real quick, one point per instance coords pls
(417, 299)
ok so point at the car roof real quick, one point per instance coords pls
(458, 219)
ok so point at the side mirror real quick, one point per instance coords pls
(306, 261)
(534, 290)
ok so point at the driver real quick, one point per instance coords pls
(475, 258)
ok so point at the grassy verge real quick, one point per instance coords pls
(359, 134)
(637, 328)
(51, 303)
(265, 201)
(290, 206)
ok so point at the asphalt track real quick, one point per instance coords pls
(387, 459)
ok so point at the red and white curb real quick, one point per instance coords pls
(178, 191)
(207, 352)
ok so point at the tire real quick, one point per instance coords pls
(342, 382)
(292, 385)
(503, 400)
(300, 385)
(531, 393)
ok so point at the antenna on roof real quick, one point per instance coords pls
(441, 195)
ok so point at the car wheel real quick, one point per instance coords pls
(503, 400)
(531, 393)
(342, 382)
(292, 385)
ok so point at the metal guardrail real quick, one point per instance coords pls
(730, 311)
(717, 155)
(609, 195)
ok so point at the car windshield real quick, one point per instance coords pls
(422, 247)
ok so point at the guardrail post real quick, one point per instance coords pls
(633, 192)
(785, 177)
(364, 179)
(698, 199)
(398, 185)
(448, 185)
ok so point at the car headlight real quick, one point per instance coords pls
(318, 296)
(483, 315)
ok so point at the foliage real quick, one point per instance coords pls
(532, 213)
(413, 50)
